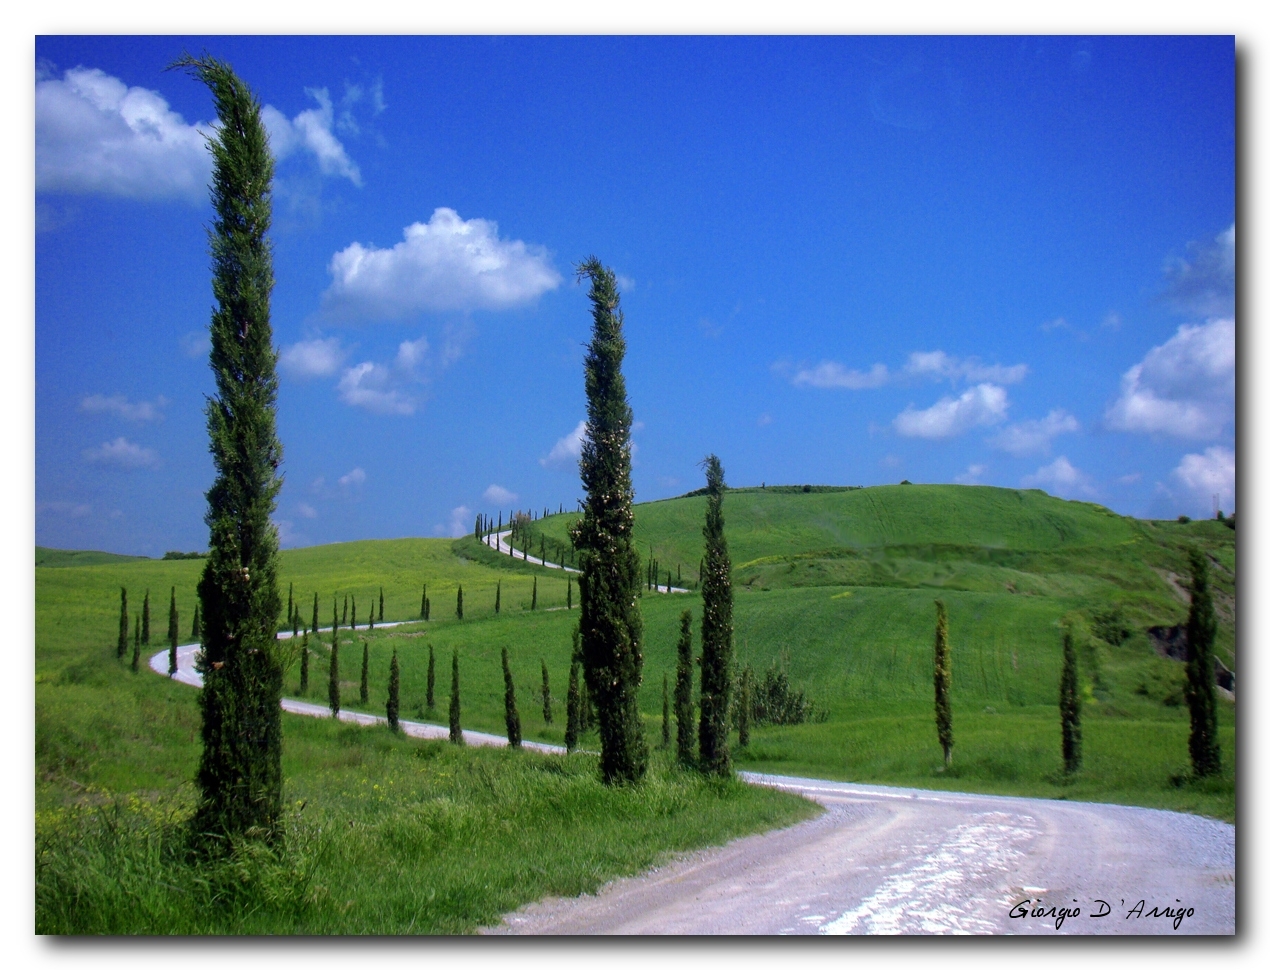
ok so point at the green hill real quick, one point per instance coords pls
(45, 556)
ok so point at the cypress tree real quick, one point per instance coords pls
(196, 628)
(573, 709)
(304, 665)
(370, 624)
(295, 621)
(364, 694)
(432, 678)
(533, 603)
(333, 680)
(344, 622)
(136, 648)
(354, 626)
(1069, 705)
(394, 692)
(458, 610)
(665, 710)
(315, 613)
(423, 603)
(716, 631)
(335, 618)
(546, 695)
(174, 634)
(743, 708)
(123, 622)
(456, 730)
(1201, 695)
(427, 609)
(683, 691)
(943, 682)
(145, 620)
(509, 705)
(290, 602)
(611, 625)
(498, 597)
(381, 604)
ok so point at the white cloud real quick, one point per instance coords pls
(306, 510)
(1212, 473)
(1203, 282)
(1184, 387)
(313, 358)
(972, 475)
(941, 366)
(445, 264)
(369, 386)
(498, 495)
(829, 373)
(1060, 477)
(355, 477)
(196, 343)
(76, 510)
(567, 449)
(122, 453)
(412, 354)
(981, 405)
(96, 135)
(1033, 437)
(120, 406)
(461, 521)
(311, 130)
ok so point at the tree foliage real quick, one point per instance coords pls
(1069, 705)
(394, 692)
(511, 715)
(456, 727)
(1201, 694)
(943, 682)
(685, 735)
(716, 631)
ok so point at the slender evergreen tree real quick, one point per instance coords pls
(716, 631)
(145, 620)
(394, 692)
(1069, 705)
(315, 614)
(295, 621)
(432, 679)
(240, 770)
(665, 710)
(333, 678)
(686, 748)
(744, 706)
(423, 603)
(511, 715)
(304, 665)
(1201, 694)
(427, 609)
(354, 626)
(573, 709)
(123, 622)
(174, 634)
(344, 621)
(458, 609)
(335, 619)
(498, 597)
(290, 602)
(943, 682)
(136, 648)
(363, 696)
(456, 728)
(546, 694)
(381, 604)
(196, 628)
(611, 625)
(533, 603)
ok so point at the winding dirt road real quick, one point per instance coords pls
(500, 544)
(901, 861)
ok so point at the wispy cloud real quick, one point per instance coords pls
(1203, 281)
(1207, 474)
(921, 365)
(313, 358)
(567, 449)
(353, 479)
(981, 405)
(498, 495)
(461, 521)
(1033, 437)
(311, 130)
(122, 453)
(121, 407)
(1060, 477)
(938, 365)
(831, 374)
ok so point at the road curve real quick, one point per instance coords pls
(886, 860)
(500, 544)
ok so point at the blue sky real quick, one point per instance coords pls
(849, 261)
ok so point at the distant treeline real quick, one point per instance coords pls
(173, 554)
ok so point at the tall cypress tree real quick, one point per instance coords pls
(573, 709)
(509, 704)
(533, 603)
(432, 678)
(290, 602)
(546, 695)
(335, 619)
(304, 665)
(381, 604)
(315, 614)
(1069, 705)
(196, 628)
(1201, 695)
(665, 710)
(354, 626)
(344, 621)
(136, 648)
(145, 620)
(333, 678)
(456, 728)
(123, 622)
(427, 609)
(611, 625)
(686, 749)
(423, 603)
(498, 597)
(943, 682)
(716, 631)
(394, 692)
(174, 634)
(363, 696)
(240, 774)
(458, 609)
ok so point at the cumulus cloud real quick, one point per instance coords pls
(981, 405)
(460, 521)
(122, 453)
(1033, 437)
(96, 135)
(355, 477)
(568, 449)
(196, 343)
(972, 475)
(937, 365)
(1060, 477)
(311, 130)
(386, 388)
(1184, 387)
(1212, 473)
(829, 373)
(445, 264)
(1203, 281)
(370, 386)
(306, 510)
(498, 495)
(121, 407)
(313, 358)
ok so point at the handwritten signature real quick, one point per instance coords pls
(1039, 909)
